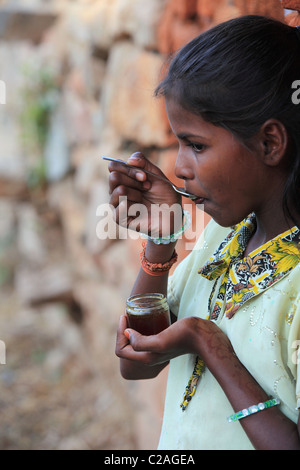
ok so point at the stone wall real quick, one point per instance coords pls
(79, 81)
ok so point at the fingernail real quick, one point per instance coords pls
(127, 334)
(140, 176)
(135, 156)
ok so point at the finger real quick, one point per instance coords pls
(136, 160)
(132, 215)
(123, 324)
(133, 173)
(118, 178)
(139, 160)
(121, 340)
(126, 196)
(142, 357)
(134, 167)
(142, 343)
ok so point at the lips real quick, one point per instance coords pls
(199, 200)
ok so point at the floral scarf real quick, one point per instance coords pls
(244, 277)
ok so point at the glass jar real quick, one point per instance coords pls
(148, 314)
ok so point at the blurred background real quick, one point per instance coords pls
(77, 80)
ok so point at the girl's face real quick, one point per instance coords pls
(230, 181)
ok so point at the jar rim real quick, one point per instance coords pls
(146, 296)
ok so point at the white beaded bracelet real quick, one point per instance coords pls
(175, 236)
(253, 409)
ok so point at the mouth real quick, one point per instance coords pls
(199, 200)
(196, 199)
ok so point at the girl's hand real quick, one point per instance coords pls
(186, 336)
(134, 369)
(151, 350)
(138, 192)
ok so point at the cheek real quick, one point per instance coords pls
(235, 171)
(216, 180)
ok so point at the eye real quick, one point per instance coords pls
(198, 148)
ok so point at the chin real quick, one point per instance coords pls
(223, 217)
(227, 221)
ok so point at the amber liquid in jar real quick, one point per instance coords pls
(148, 314)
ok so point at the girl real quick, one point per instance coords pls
(233, 345)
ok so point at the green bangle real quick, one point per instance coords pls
(175, 236)
(253, 409)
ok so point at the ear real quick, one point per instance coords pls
(274, 142)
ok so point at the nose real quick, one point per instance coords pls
(183, 169)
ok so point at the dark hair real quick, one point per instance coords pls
(239, 74)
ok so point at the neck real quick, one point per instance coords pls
(271, 218)
(269, 226)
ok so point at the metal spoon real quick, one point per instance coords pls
(162, 178)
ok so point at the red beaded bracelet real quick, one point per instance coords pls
(156, 269)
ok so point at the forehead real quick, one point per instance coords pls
(185, 122)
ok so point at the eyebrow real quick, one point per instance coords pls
(185, 136)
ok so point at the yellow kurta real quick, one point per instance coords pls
(256, 302)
